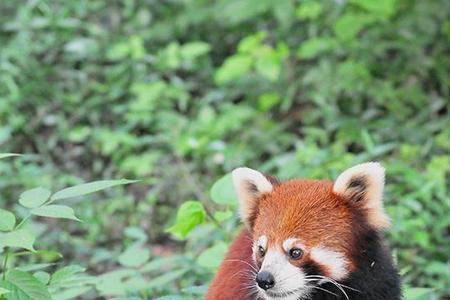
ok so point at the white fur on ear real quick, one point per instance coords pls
(249, 185)
(364, 184)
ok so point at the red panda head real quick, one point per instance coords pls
(302, 228)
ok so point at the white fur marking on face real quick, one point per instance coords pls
(288, 278)
(262, 241)
(333, 260)
(290, 243)
(373, 173)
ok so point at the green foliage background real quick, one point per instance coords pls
(178, 93)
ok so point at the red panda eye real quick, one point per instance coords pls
(261, 251)
(295, 253)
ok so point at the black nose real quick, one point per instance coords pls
(265, 280)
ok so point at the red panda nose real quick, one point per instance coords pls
(265, 280)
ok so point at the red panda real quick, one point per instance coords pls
(309, 239)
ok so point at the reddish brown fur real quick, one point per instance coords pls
(231, 281)
(306, 209)
(309, 210)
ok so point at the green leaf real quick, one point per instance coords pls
(136, 283)
(136, 233)
(65, 273)
(309, 10)
(190, 214)
(314, 46)
(134, 257)
(42, 276)
(55, 211)
(4, 291)
(348, 25)
(34, 197)
(172, 297)
(20, 238)
(252, 42)
(194, 49)
(111, 283)
(268, 100)
(71, 293)
(110, 286)
(88, 188)
(166, 278)
(223, 215)
(212, 257)
(385, 8)
(412, 293)
(367, 141)
(7, 220)
(5, 155)
(233, 68)
(34, 267)
(24, 286)
(222, 191)
(160, 262)
(269, 67)
(196, 290)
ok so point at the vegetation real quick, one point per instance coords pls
(178, 93)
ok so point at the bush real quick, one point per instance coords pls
(179, 93)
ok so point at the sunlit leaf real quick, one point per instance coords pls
(309, 10)
(5, 155)
(20, 238)
(269, 67)
(3, 290)
(233, 68)
(34, 197)
(34, 267)
(65, 273)
(88, 188)
(385, 8)
(194, 49)
(55, 211)
(7, 220)
(24, 286)
(252, 42)
(314, 46)
(348, 25)
(190, 214)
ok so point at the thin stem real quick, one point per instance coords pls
(21, 253)
(5, 262)
(22, 222)
(197, 190)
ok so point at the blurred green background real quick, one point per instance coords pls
(177, 93)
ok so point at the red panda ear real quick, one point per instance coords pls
(249, 185)
(363, 185)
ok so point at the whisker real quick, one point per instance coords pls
(325, 290)
(244, 274)
(343, 285)
(331, 281)
(243, 261)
